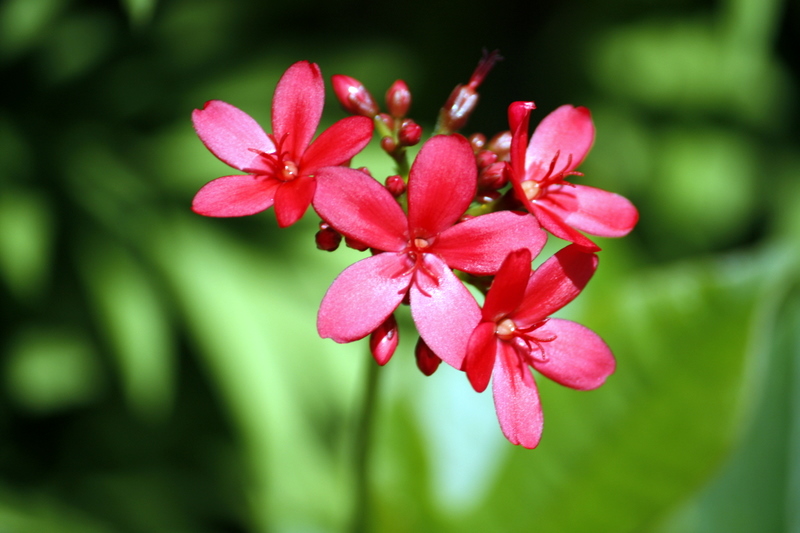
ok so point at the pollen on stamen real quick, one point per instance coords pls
(505, 329)
(531, 189)
(421, 243)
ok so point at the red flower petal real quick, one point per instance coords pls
(567, 131)
(508, 286)
(442, 182)
(516, 400)
(480, 245)
(594, 211)
(363, 296)
(555, 283)
(230, 133)
(297, 107)
(292, 200)
(338, 144)
(519, 114)
(481, 354)
(578, 358)
(554, 223)
(444, 311)
(235, 196)
(360, 208)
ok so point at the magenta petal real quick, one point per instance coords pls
(363, 296)
(481, 353)
(338, 144)
(444, 311)
(441, 184)
(595, 211)
(230, 133)
(297, 107)
(361, 208)
(508, 286)
(480, 245)
(292, 200)
(577, 358)
(519, 114)
(567, 131)
(554, 223)
(516, 400)
(235, 196)
(555, 283)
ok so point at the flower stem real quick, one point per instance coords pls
(362, 450)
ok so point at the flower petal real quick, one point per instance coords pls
(444, 311)
(481, 353)
(442, 182)
(360, 208)
(555, 283)
(516, 400)
(338, 144)
(577, 358)
(235, 196)
(567, 131)
(554, 223)
(230, 133)
(292, 200)
(361, 298)
(297, 107)
(594, 211)
(508, 287)
(519, 114)
(480, 244)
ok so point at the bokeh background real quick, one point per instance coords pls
(161, 372)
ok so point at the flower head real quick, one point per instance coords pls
(539, 175)
(515, 333)
(415, 253)
(279, 167)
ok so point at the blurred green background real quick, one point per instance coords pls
(161, 372)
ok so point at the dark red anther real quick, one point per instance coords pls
(398, 99)
(395, 185)
(383, 341)
(427, 361)
(354, 97)
(410, 133)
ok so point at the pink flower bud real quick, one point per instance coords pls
(462, 101)
(484, 158)
(410, 133)
(477, 141)
(388, 144)
(427, 361)
(395, 185)
(353, 96)
(487, 197)
(383, 341)
(355, 244)
(386, 120)
(493, 177)
(327, 238)
(398, 99)
(501, 145)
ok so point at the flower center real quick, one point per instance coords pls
(505, 329)
(288, 171)
(420, 243)
(531, 189)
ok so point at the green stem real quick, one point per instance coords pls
(362, 450)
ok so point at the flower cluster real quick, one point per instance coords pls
(466, 210)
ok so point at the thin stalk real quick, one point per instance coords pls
(362, 449)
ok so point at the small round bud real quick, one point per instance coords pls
(477, 141)
(355, 244)
(484, 158)
(493, 177)
(398, 99)
(365, 170)
(410, 133)
(395, 185)
(487, 197)
(383, 341)
(427, 361)
(388, 144)
(501, 145)
(353, 96)
(327, 238)
(386, 120)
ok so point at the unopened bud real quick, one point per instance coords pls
(354, 97)
(387, 120)
(398, 99)
(493, 177)
(365, 170)
(355, 244)
(327, 238)
(388, 144)
(410, 133)
(462, 101)
(427, 361)
(477, 141)
(487, 197)
(383, 341)
(501, 145)
(395, 185)
(484, 158)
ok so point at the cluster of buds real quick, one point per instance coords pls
(474, 210)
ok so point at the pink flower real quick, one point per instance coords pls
(280, 166)
(515, 332)
(538, 174)
(419, 249)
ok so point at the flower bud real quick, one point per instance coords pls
(395, 185)
(388, 144)
(493, 177)
(410, 133)
(355, 244)
(484, 158)
(383, 341)
(398, 99)
(353, 96)
(327, 238)
(462, 101)
(501, 145)
(427, 361)
(477, 141)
